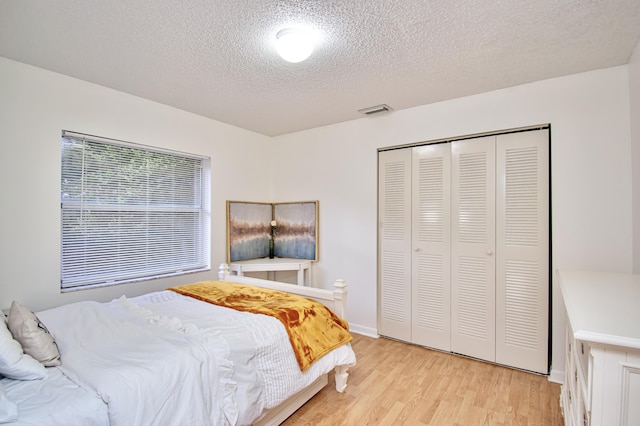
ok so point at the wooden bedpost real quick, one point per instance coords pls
(223, 271)
(341, 377)
(340, 297)
(340, 306)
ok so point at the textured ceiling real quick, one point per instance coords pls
(217, 58)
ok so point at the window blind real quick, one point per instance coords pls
(130, 212)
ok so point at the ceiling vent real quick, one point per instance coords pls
(376, 109)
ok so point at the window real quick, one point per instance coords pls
(130, 212)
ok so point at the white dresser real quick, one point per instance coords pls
(602, 365)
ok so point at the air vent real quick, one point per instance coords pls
(375, 109)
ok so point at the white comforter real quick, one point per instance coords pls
(164, 358)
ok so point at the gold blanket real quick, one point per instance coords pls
(313, 329)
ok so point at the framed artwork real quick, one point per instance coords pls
(296, 234)
(249, 230)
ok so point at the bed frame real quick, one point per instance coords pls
(336, 300)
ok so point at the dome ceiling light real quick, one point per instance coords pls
(294, 44)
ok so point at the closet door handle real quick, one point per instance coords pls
(489, 252)
(417, 249)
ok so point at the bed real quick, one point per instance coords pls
(171, 358)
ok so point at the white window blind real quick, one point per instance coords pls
(130, 212)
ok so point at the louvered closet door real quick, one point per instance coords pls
(394, 298)
(522, 275)
(431, 298)
(473, 247)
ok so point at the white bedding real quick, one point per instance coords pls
(166, 358)
(55, 401)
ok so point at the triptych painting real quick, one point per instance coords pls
(292, 226)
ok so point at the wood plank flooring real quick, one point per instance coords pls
(396, 383)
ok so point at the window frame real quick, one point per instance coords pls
(161, 219)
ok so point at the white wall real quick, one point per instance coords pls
(634, 105)
(591, 177)
(35, 105)
(337, 165)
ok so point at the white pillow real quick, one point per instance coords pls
(14, 363)
(34, 337)
(8, 409)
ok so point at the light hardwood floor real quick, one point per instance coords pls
(396, 383)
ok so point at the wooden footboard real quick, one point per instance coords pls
(336, 300)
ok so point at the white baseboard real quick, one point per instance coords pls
(556, 376)
(365, 331)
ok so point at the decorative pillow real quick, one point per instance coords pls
(33, 335)
(14, 363)
(8, 409)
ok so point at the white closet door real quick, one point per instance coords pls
(473, 247)
(431, 291)
(394, 298)
(522, 275)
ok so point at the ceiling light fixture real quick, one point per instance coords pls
(294, 44)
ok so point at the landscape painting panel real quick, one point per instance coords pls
(297, 230)
(248, 230)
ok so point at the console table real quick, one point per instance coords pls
(271, 266)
